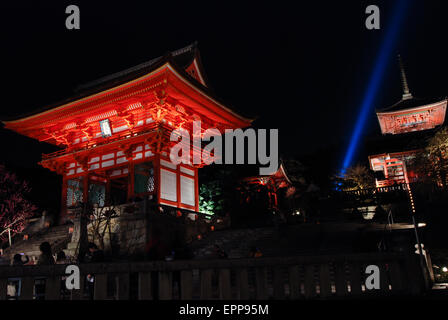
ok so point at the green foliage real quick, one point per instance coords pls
(211, 199)
(432, 163)
(355, 178)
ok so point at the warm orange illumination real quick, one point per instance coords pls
(412, 119)
(104, 130)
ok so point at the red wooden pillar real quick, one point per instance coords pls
(178, 186)
(274, 193)
(196, 190)
(85, 188)
(270, 199)
(107, 197)
(157, 178)
(63, 212)
(130, 179)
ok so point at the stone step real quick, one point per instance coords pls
(28, 243)
(237, 243)
(55, 236)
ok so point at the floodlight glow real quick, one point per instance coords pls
(374, 83)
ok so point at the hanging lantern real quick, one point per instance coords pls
(199, 237)
(178, 213)
(212, 228)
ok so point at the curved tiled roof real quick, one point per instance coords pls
(182, 58)
(409, 104)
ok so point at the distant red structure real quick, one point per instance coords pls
(406, 116)
(115, 133)
(412, 119)
(272, 183)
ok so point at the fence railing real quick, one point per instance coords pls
(306, 277)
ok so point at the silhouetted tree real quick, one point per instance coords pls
(14, 207)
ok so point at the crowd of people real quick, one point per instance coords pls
(157, 249)
(47, 257)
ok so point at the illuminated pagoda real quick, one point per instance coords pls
(114, 133)
(410, 119)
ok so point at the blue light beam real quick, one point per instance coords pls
(374, 83)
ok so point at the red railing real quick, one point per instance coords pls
(107, 141)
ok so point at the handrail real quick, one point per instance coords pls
(177, 265)
(307, 277)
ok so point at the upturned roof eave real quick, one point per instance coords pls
(169, 65)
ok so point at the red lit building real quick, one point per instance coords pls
(114, 134)
(271, 183)
(410, 119)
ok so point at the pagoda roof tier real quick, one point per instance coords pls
(279, 178)
(171, 88)
(409, 104)
(184, 58)
(415, 117)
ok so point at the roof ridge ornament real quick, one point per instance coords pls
(406, 94)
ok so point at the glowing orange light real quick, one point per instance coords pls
(212, 228)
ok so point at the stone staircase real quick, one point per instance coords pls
(237, 242)
(290, 241)
(57, 236)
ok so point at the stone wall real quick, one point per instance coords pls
(130, 232)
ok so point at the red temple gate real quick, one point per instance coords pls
(115, 134)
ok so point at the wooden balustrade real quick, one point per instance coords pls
(306, 277)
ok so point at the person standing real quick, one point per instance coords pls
(46, 257)
(17, 260)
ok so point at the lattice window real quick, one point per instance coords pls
(74, 191)
(97, 194)
(143, 178)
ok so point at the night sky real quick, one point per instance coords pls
(303, 68)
